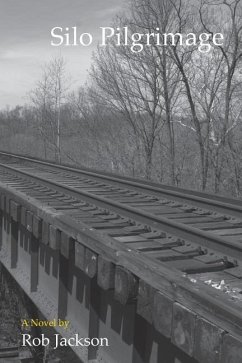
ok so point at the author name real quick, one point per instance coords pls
(75, 341)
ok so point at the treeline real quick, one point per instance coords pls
(170, 113)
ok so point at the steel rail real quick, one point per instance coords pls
(212, 202)
(206, 239)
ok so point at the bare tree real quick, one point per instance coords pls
(48, 98)
(228, 110)
(152, 15)
(130, 85)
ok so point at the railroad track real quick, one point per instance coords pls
(213, 202)
(200, 242)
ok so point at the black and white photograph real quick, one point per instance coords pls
(121, 181)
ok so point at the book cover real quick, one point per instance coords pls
(120, 181)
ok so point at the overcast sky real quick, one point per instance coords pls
(25, 38)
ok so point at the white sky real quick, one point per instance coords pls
(25, 27)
